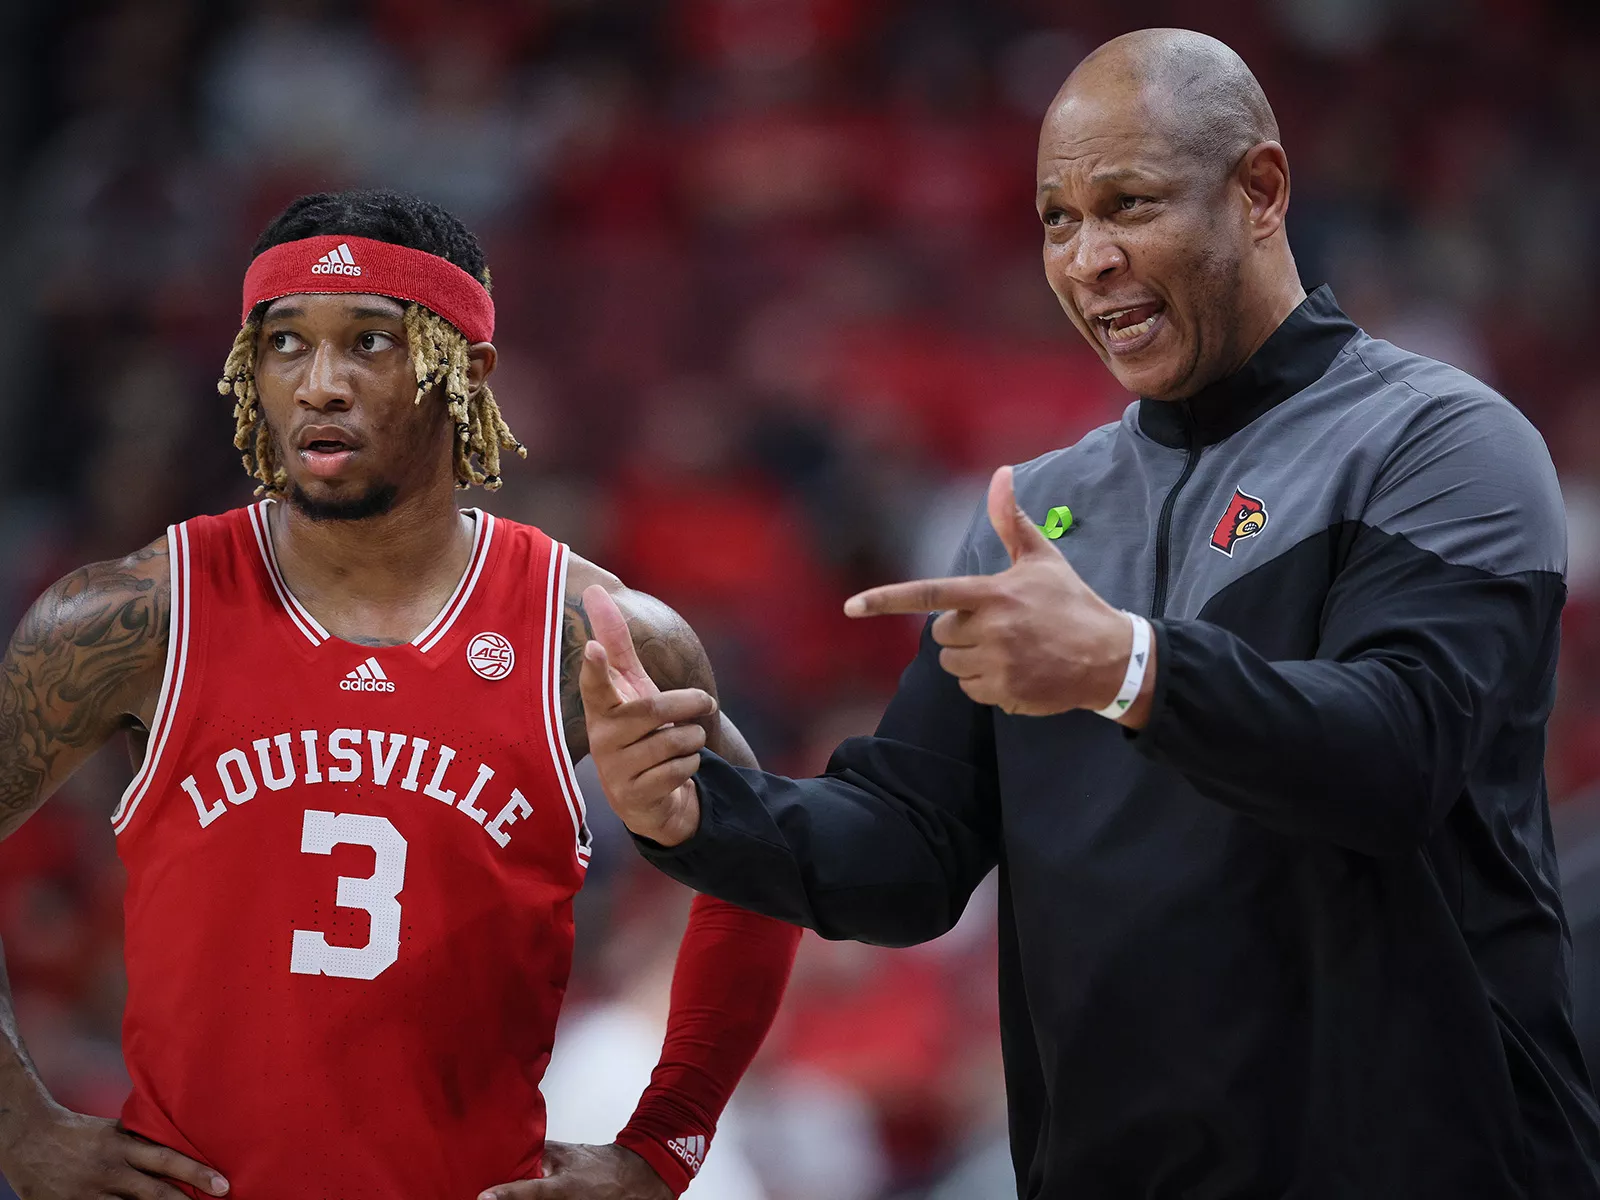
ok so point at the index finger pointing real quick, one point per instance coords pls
(921, 596)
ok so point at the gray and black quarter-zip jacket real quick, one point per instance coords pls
(1301, 936)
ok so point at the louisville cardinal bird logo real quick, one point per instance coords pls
(1246, 517)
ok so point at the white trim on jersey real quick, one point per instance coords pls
(171, 679)
(304, 621)
(482, 535)
(555, 596)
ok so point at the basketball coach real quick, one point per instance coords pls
(1255, 738)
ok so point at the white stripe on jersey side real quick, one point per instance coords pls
(555, 596)
(482, 535)
(304, 621)
(377, 671)
(171, 678)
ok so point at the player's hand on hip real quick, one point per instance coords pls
(574, 1172)
(644, 742)
(1032, 639)
(61, 1155)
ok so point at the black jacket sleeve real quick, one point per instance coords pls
(1439, 628)
(884, 848)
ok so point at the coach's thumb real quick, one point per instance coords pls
(1020, 536)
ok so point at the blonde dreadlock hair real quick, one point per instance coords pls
(438, 349)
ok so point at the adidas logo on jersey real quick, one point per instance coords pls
(368, 677)
(691, 1149)
(336, 262)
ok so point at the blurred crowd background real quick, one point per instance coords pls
(770, 310)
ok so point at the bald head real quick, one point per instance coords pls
(1162, 190)
(1192, 87)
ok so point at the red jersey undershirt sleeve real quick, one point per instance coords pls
(732, 969)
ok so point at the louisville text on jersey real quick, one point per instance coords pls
(349, 756)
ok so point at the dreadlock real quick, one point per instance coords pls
(438, 348)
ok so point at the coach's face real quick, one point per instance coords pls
(1143, 240)
(337, 389)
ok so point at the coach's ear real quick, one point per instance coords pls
(481, 358)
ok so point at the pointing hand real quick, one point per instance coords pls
(1033, 639)
(643, 740)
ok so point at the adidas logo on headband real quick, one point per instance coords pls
(386, 270)
(336, 262)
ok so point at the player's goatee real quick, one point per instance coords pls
(373, 503)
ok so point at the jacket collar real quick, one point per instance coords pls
(1295, 356)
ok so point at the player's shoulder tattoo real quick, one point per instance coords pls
(667, 646)
(77, 667)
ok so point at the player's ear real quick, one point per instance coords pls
(481, 358)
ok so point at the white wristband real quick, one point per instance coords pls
(1133, 678)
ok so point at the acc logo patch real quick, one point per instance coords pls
(491, 656)
(1246, 517)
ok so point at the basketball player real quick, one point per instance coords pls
(354, 834)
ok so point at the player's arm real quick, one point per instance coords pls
(732, 967)
(85, 663)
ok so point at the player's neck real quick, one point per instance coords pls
(372, 578)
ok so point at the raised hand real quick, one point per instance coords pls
(573, 1172)
(62, 1155)
(643, 749)
(1033, 639)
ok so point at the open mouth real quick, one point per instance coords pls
(325, 450)
(1127, 329)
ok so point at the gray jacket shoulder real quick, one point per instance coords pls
(1463, 472)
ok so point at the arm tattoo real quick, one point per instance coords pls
(575, 634)
(75, 671)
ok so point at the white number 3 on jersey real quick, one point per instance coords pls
(377, 895)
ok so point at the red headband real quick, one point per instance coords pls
(336, 262)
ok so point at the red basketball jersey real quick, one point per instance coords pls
(350, 879)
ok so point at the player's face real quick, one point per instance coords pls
(337, 389)
(1143, 245)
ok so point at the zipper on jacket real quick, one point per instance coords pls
(1158, 604)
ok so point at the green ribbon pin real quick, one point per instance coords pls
(1056, 522)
